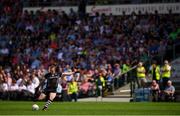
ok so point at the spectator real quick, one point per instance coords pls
(68, 69)
(77, 75)
(30, 90)
(155, 71)
(125, 69)
(5, 94)
(109, 81)
(85, 88)
(64, 90)
(116, 75)
(169, 91)
(73, 90)
(36, 63)
(13, 90)
(141, 76)
(100, 84)
(166, 73)
(35, 80)
(21, 87)
(155, 91)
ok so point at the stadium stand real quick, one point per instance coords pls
(35, 3)
(31, 41)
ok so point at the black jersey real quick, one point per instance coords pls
(52, 81)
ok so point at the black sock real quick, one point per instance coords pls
(47, 103)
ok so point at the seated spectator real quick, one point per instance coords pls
(35, 80)
(77, 74)
(84, 87)
(21, 86)
(116, 74)
(4, 87)
(64, 90)
(109, 81)
(13, 90)
(168, 93)
(68, 77)
(155, 90)
(30, 90)
(1, 82)
(59, 91)
(31, 87)
(20, 80)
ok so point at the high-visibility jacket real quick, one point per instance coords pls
(125, 68)
(166, 71)
(72, 87)
(140, 73)
(100, 81)
(157, 72)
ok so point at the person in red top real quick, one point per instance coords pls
(155, 90)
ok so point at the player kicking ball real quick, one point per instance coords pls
(51, 84)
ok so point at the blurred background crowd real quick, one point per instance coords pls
(90, 46)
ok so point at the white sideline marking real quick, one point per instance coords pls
(125, 90)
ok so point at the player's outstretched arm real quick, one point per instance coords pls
(67, 73)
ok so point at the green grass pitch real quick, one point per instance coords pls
(90, 108)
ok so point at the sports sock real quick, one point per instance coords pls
(47, 104)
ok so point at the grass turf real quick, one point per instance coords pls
(90, 108)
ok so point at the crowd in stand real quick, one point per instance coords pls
(31, 41)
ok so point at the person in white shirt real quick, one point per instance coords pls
(35, 80)
(29, 92)
(4, 87)
(21, 86)
(13, 91)
(9, 79)
(19, 81)
(21, 90)
(13, 87)
(31, 87)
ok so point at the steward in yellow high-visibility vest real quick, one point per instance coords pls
(125, 68)
(155, 72)
(141, 75)
(100, 84)
(166, 73)
(166, 70)
(100, 81)
(73, 90)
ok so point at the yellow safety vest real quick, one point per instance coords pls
(157, 72)
(166, 74)
(72, 88)
(102, 80)
(125, 68)
(139, 73)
